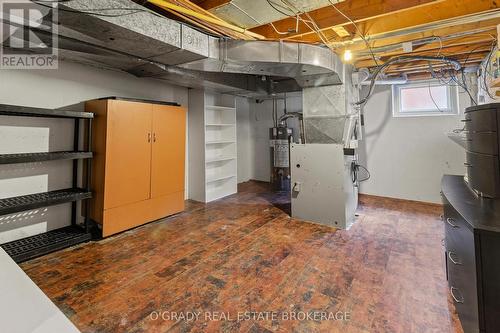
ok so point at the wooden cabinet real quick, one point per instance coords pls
(128, 153)
(166, 166)
(138, 172)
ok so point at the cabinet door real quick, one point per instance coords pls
(128, 153)
(169, 142)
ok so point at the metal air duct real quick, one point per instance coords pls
(136, 40)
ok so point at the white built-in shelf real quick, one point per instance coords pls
(212, 145)
(219, 142)
(216, 194)
(220, 159)
(219, 108)
(220, 178)
(220, 125)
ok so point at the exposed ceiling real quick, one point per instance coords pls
(122, 35)
(251, 14)
(373, 30)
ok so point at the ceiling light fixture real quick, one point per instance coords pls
(347, 55)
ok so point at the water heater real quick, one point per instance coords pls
(279, 143)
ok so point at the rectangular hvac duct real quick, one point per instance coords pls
(324, 114)
(330, 116)
(121, 34)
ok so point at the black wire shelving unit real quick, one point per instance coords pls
(34, 246)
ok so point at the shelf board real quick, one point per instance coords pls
(220, 178)
(34, 246)
(45, 199)
(220, 159)
(212, 197)
(16, 110)
(219, 108)
(220, 142)
(219, 125)
(218, 193)
(41, 157)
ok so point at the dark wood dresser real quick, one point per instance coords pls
(472, 242)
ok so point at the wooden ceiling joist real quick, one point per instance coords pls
(209, 20)
(424, 65)
(461, 29)
(441, 15)
(451, 51)
(328, 17)
(418, 21)
(432, 47)
(483, 28)
(211, 4)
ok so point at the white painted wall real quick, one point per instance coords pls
(408, 156)
(261, 119)
(70, 84)
(244, 142)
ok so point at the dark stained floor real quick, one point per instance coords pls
(244, 253)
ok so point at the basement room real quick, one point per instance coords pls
(302, 166)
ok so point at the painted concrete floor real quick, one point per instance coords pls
(241, 264)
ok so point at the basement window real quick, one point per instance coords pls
(426, 98)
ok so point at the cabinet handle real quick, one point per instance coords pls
(454, 297)
(468, 165)
(154, 137)
(465, 120)
(451, 258)
(450, 221)
(149, 137)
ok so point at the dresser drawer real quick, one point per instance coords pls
(456, 230)
(483, 171)
(461, 268)
(481, 120)
(482, 143)
(463, 290)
